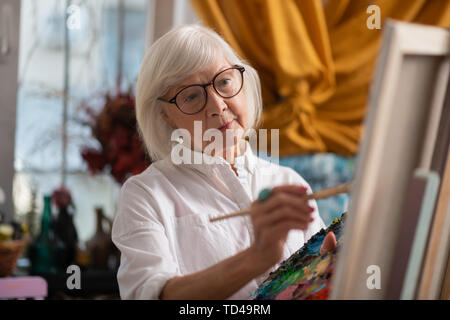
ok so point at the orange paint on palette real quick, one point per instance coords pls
(320, 295)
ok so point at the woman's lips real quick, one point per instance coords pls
(226, 126)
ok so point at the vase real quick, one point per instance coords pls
(100, 245)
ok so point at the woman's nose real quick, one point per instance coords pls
(215, 104)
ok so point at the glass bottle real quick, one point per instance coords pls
(41, 254)
(99, 246)
(66, 237)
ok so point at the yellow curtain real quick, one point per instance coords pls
(315, 61)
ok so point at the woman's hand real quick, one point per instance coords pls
(329, 243)
(273, 218)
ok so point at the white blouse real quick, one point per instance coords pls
(162, 226)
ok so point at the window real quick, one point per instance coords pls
(93, 68)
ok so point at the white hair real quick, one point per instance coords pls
(178, 54)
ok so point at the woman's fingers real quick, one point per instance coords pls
(280, 230)
(329, 243)
(281, 199)
(284, 210)
(290, 188)
(282, 213)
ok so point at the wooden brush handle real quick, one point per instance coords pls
(321, 194)
(234, 214)
(329, 192)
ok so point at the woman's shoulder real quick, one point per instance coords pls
(141, 195)
(151, 179)
(152, 174)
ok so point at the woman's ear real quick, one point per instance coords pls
(168, 119)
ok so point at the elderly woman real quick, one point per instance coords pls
(169, 248)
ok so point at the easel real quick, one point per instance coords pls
(399, 209)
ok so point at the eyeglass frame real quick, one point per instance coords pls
(174, 99)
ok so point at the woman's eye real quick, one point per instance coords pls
(224, 82)
(190, 98)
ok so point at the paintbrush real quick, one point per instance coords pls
(321, 194)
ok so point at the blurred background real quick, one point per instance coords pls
(68, 70)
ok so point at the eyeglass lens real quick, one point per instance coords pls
(227, 84)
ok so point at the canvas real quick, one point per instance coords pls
(402, 132)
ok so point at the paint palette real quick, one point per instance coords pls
(306, 275)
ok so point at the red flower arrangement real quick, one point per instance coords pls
(122, 152)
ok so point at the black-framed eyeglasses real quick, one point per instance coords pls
(193, 98)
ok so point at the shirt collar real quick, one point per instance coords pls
(247, 160)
